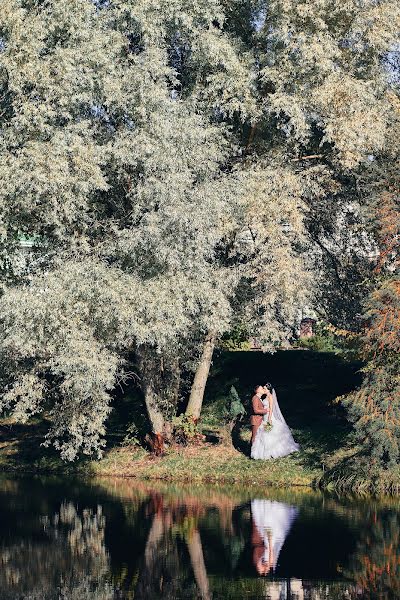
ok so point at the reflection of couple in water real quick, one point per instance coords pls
(271, 523)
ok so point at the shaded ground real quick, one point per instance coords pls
(306, 383)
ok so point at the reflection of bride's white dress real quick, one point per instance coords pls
(273, 521)
(276, 442)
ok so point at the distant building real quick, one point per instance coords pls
(255, 344)
(307, 327)
(26, 243)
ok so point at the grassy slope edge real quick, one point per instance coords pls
(307, 382)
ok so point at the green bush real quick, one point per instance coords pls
(236, 339)
(132, 436)
(325, 341)
(186, 430)
(234, 408)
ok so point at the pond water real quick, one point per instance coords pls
(124, 539)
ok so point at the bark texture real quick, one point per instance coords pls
(149, 371)
(200, 379)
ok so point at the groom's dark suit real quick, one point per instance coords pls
(257, 416)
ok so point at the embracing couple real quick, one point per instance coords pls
(270, 435)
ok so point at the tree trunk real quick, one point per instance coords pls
(156, 417)
(200, 379)
(149, 367)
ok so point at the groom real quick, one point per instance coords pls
(258, 411)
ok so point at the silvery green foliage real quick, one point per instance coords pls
(322, 64)
(52, 63)
(50, 69)
(204, 63)
(269, 250)
(116, 167)
(74, 325)
(327, 93)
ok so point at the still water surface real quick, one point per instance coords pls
(122, 539)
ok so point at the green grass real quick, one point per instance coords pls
(306, 382)
(206, 463)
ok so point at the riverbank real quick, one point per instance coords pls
(307, 383)
(207, 462)
(217, 462)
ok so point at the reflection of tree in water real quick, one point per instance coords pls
(85, 532)
(135, 542)
(173, 548)
(59, 555)
(173, 561)
(375, 565)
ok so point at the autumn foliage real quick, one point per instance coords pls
(374, 409)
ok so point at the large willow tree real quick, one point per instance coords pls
(117, 174)
(327, 98)
(150, 150)
(115, 159)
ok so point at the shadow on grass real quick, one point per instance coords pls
(307, 384)
(240, 444)
(21, 450)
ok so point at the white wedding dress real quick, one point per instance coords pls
(275, 442)
(273, 521)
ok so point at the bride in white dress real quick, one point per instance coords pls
(274, 440)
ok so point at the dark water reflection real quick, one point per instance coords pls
(121, 539)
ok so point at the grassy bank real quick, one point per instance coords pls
(205, 463)
(209, 462)
(306, 382)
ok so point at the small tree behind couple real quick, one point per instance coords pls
(271, 437)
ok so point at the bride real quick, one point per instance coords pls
(273, 438)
